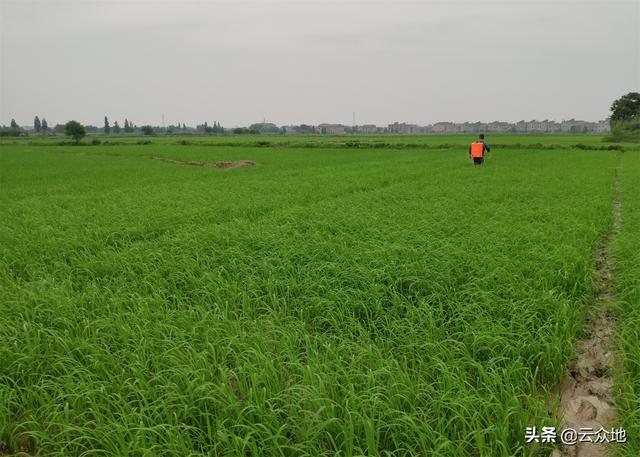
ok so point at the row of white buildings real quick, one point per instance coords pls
(546, 126)
(534, 126)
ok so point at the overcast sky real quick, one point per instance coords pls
(315, 61)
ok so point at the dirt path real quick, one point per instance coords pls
(586, 399)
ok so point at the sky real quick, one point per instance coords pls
(292, 62)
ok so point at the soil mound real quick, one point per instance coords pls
(236, 164)
(222, 164)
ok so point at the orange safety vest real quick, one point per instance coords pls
(477, 149)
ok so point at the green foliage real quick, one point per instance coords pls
(245, 131)
(627, 281)
(14, 130)
(625, 118)
(628, 130)
(216, 128)
(128, 126)
(264, 128)
(75, 130)
(106, 129)
(326, 302)
(146, 130)
(626, 107)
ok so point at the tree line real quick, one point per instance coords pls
(625, 125)
(41, 126)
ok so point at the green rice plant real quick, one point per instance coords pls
(627, 282)
(369, 301)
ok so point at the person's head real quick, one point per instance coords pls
(481, 136)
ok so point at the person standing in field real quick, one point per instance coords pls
(477, 150)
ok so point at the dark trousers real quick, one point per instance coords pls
(478, 160)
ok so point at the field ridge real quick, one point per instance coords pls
(586, 393)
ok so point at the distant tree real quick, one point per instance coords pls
(626, 107)
(13, 130)
(75, 130)
(44, 125)
(106, 128)
(128, 126)
(116, 128)
(217, 128)
(37, 125)
(244, 130)
(264, 127)
(58, 128)
(625, 118)
(147, 130)
(184, 127)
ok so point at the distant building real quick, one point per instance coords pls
(578, 126)
(403, 127)
(554, 127)
(497, 126)
(603, 126)
(290, 129)
(521, 127)
(367, 129)
(331, 129)
(533, 126)
(442, 127)
(302, 129)
(475, 127)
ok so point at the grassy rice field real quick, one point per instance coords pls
(373, 296)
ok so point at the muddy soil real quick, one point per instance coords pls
(586, 399)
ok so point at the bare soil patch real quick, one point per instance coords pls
(236, 164)
(223, 164)
(586, 399)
